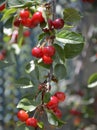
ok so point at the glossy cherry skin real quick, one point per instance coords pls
(32, 122)
(48, 50)
(58, 23)
(24, 14)
(60, 96)
(53, 103)
(37, 18)
(47, 59)
(2, 6)
(37, 52)
(17, 22)
(22, 115)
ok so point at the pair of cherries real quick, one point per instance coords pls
(24, 117)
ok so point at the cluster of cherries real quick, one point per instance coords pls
(32, 21)
(26, 20)
(45, 53)
(54, 101)
(29, 121)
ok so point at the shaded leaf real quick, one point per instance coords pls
(24, 82)
(60, 52)
(73, 50)
(5, 63)
(92, 81)
(68, 37)
(25, 104)
(71, 15)
(53, 120)
(47, 97)
(2, 1)
(23, 127)
(8, 23)
(60, 71)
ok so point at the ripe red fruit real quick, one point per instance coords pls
(58, 23)
(53, 103)
(24, 14)
(22, 115)
(48, 51)
(2, 6)
(37, 18)
(47, 59)
(75, 112)
(58, 113)
(31, 122)
(37, 52)
(50, 24)
(17, 22)
(60, 96)
(27, 33)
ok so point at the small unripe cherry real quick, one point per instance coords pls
(22, 115)
(58, 23)
(37, 52)
(60, 96)
(48, 50)
(24, 14)
(32, 122)
(26, 33)
(47, 59)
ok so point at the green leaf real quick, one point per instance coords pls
(5, 63)
(22, 4)
(8, 13)
(22, 126)
(8, 23)
(53, 120)
(20, 36)
(40, 125)
(30, 66)
(60, 71)
(24, 82)
(25, 104)
(73, 50)
(41, 36)
(47, 97)
(60, 52)
(69, 37)
(92, 81)
(71, 15)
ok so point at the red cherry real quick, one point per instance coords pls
(31, 122)
(48, 51)
(2, 6)
(58, 113)
(17, 22)
(58, 23)
(27, 33)
(53, 103)
(24, 14)
(50, 24)
(22, 115)
(90, 1)
(47, 60)
(37, 52)
(37, 18)
(60, 96)
(75, 112)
